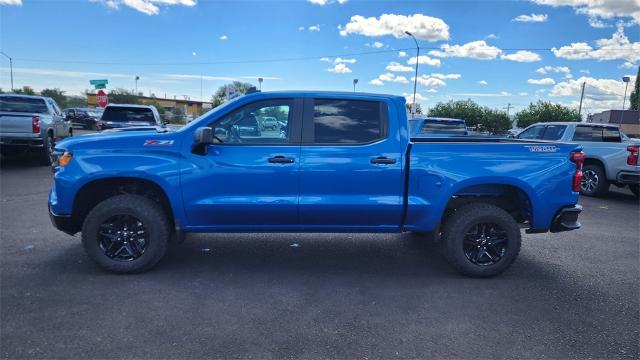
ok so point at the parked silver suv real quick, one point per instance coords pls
(610, 156)
(31, 123)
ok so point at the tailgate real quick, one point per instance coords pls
(16, 122)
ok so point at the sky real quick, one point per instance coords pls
(501, 54)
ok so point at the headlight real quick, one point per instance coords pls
(65, 158)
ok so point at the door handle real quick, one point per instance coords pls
(383, 160)
(281, 160)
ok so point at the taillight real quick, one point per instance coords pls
(632, 159)
(35, 124)
(577, 158)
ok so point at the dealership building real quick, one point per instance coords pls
(189, 107)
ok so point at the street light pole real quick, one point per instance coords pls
(260, 83)
(10, 67)
(355, 81)
(626, 80)
(415, 81)
(137, 78)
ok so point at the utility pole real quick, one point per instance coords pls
(260, 83)
(10, 67)
(355, 81)
(415, 81)
(508, 108)
(581, 97)
(137, 78)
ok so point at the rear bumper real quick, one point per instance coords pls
(566, 219)
(628, 177)
(21, 142)
(63, 223)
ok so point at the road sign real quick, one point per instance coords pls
(102, 98)
(98, 82)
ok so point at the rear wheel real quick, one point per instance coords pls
(481, 240)
(47, 156)
(594, 181)
(126, 234)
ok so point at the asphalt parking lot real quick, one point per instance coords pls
(569, 295)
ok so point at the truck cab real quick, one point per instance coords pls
(340, 162)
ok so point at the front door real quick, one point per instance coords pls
(250, 176)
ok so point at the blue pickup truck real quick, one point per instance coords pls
(339, 162)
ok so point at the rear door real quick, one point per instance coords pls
(16, 113)
(351, 166)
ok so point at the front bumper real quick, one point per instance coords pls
(63, 223)
(566, 219)
(628, 177)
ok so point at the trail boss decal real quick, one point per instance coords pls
(542, 148)
(158, 142)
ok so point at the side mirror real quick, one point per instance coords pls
(203, 137)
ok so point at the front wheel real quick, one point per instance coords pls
(481, 240)
(126, 234)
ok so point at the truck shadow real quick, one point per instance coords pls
(19, 161)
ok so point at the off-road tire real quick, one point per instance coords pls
(148, 212)
(461, 221)
(602, 185)
(46, 154)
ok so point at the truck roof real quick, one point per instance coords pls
(438, 119)
(24, 96)
(575, 123)
(316, 93)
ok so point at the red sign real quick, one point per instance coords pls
(103, 100)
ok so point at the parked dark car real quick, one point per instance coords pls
(83, 118)
(122, 116)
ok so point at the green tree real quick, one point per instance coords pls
(122, 96)
(26, 90)
(493, 121)
(634, 99)
(545, 111)
(57, 95)
(76, 101)
(418, 108)
(221, 94)
(467, 110)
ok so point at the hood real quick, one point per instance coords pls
(119, 138)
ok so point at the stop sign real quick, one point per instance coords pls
(103, 100)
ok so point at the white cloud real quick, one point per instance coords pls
(325, 59)
(553, 69)
(11, 2)
(419, 97)
(223, 37)
(432, 91)
(300, 28)
(446, 76)
(522, 56)
(476, 50)
(483, 82)
(424, 59)
(194, 53)
(339, 60)
(149, 7)
(523, 94)
(606, 9)
(402, 54)
(377, 45)
(340, 68)
(628, 65)
(428, 81)
(421, 26)
(397, 67)
(584, 71)
(618, 47)
(491, 36)
(532, 18)
(389, 77)
(600, 94)
(66, 73)
(500, 94)
(314, 28)
(376, 82)
(597, 23)
(543, 81)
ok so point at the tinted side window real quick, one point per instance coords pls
(348, 121)
(582, 133)
(23, 104)
(610, 134)
(532, 133)
(553, 132)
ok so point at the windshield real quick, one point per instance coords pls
(128, 114)
(23, 104)
(443, 127)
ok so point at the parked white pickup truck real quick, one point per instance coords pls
(31, 123)
(611, 157)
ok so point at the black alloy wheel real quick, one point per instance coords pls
(123, 238)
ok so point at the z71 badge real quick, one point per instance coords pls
(158, 142)
(542, 148)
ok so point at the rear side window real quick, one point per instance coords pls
(610, 134)
(582, 133)
(127, 114)
(348, 121)
(23, 104)
(553, 132)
